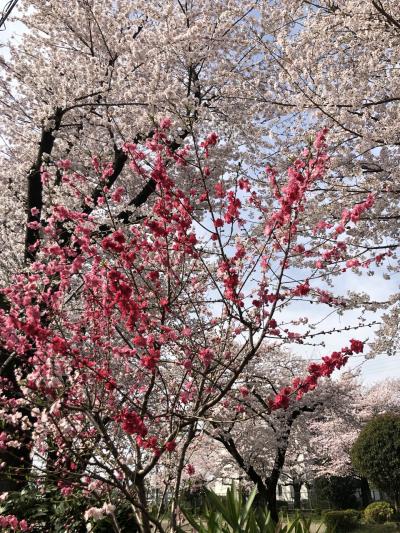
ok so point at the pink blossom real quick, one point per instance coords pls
(352, 263)
(356, 346)
(117, 194)
(206, 356)
(218, 223)
(64, 164)
(165, 123)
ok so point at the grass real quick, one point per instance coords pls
(389, 527)
(378, 528)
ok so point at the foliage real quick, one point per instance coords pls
(193, 498)
(378, 512)
(46, 509)
(232, 514)
(338, 491)
(376, 453)
(389, 527)
(341, 521)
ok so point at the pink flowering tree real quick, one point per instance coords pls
(127, 336)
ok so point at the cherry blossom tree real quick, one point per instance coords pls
(312, 439)
(275, 446)
(336, 62)
(334, 435)
(86, 77)
(247, 69)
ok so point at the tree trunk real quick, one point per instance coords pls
(366, 497)
(271, 499)
(297, 494)
(273, 478)
(145, 526)
(266, 499)
(13, 476)
(175, 502)
(267, 488)
(397, 501)
(35, 186)
(261, 498)
(266, 496)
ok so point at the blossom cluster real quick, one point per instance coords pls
(300, 386)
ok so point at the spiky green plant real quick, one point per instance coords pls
(233, 514)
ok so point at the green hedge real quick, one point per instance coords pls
(341, 521)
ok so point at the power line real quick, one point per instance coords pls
(6, 13)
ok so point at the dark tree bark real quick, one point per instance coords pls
(35, 187)
(297, 493)
(266, 487)
(366, 497)
(14, 475)
(273, 478)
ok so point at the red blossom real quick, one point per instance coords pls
(356, 346)
(170, 446)
(132, 423)
(190, 469)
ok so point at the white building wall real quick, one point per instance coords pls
(283, 492)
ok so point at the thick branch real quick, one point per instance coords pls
(35, 187)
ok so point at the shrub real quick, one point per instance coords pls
(378, 512)
(341, 521)
(376, 453)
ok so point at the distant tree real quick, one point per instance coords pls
(339, 491)
(334, 434)
(376, 454)
(271, 446)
